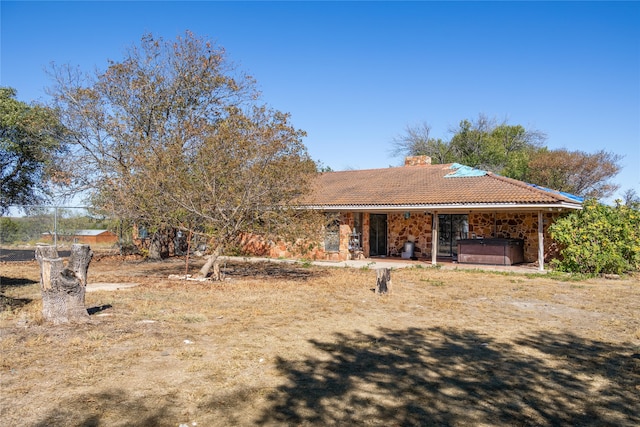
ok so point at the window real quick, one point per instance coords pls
(355, 239)
(332, 234)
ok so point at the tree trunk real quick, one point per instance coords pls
(383, 280)
(186, 261)
(212, 262)
(81, 256)
(63, 289)
(159, 245)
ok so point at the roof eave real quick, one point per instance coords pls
(559, 206)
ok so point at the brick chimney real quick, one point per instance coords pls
(417, 161)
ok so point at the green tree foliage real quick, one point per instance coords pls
(30, 139)
(515, 152)
(173, 137)
(482, 143)
(321, 167)
(8, 230)
(492, 146)
(599, 239)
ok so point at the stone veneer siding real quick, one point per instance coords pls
(515, 225)
(417, 227)
(256, 245)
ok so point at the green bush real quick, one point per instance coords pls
(599, 239)
(8, 230)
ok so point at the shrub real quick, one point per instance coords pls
(599, 239)
(8, 230)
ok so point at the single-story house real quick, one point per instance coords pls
(89, 237)
(436, 211)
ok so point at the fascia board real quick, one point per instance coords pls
(447, 207)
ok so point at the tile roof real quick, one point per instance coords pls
(427, 185)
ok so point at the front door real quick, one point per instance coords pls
(377, 234)
(451, 228)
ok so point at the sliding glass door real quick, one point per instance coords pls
(377, 235)
(451, 228)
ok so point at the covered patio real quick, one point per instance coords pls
(425, 213)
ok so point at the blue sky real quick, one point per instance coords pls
(354, 75)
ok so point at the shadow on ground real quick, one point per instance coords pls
(10, 303)
(115, 407)
(234, 269)
(98, 309)
(422, 377)
(6, 282)
(271, 270)
(7, 302)
(409, 377)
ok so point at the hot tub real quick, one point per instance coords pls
(491, 251)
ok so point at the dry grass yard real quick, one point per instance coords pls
(278, 344)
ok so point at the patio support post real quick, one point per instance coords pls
(540, 242)
(434, 238)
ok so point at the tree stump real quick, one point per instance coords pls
(383, 280)
(63, 288)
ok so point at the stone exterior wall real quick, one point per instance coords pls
(346, 227)
(258, 246)
(514, 225)
(416, 228)
(254, 245)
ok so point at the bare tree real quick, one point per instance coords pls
(631, 198)
(173, 137)
(242, 177)
(160, 93)
(417, 141)
(575, 172)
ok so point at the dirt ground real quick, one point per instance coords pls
(278, 344)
